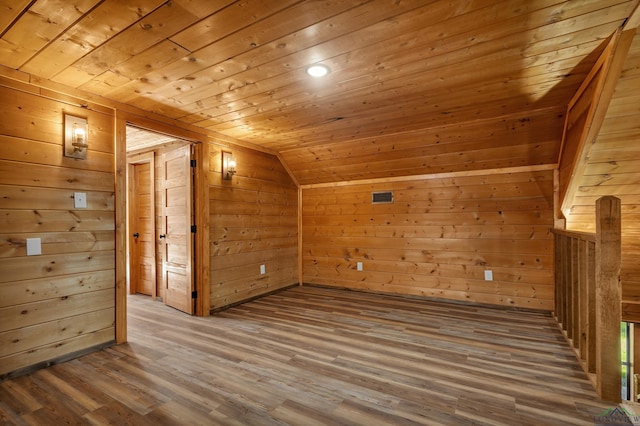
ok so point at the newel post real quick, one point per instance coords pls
(608, 298)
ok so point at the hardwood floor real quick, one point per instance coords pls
(316, 356)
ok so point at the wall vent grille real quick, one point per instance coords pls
(385, 197)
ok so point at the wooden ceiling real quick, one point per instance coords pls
(416, 87)
(612, 163)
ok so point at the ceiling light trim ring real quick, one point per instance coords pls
(318, 70)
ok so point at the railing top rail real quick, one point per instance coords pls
(586, 236)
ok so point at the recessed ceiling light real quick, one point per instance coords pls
(318, 70)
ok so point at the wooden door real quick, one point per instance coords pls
(142, 252)
(177, 237)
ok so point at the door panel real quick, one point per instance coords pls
(177, 218)
(141, 223)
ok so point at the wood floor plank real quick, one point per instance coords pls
(317, 356)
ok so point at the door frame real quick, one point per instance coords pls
(132, 162)
(201, 196)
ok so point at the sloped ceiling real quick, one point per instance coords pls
(613, 168)
(613, 159)
(415, 87)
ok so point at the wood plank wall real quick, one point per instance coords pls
(253, 222)
(613, 168)
(437, 238)
(60, 302)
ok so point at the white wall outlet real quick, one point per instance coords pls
(263, 269)
(359, 266)
(488, 275)
(34, 246)
(80, 200)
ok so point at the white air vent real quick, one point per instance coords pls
(382, 197)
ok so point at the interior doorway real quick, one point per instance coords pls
(161, 218)
(141, 219)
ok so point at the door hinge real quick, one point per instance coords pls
(193, 163)
(193, 229)
(194, 294)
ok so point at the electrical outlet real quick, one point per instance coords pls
(488, 275)
(359, 266)
(263, 269)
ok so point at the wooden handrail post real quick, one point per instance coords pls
(608, 297)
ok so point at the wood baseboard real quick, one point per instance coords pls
(231, 305)
(44, 364)
(433, 299)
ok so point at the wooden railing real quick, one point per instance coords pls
(588, 296)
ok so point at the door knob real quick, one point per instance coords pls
(163, 236)
(136, 235)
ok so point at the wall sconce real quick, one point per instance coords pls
(228, 165)
(76, 130)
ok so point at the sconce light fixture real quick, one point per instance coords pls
(228, 165)
(76, 130)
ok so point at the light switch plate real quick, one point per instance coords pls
(80, 200)
(359, 266)
(34, 246)
(488, 275)
(263, 269)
